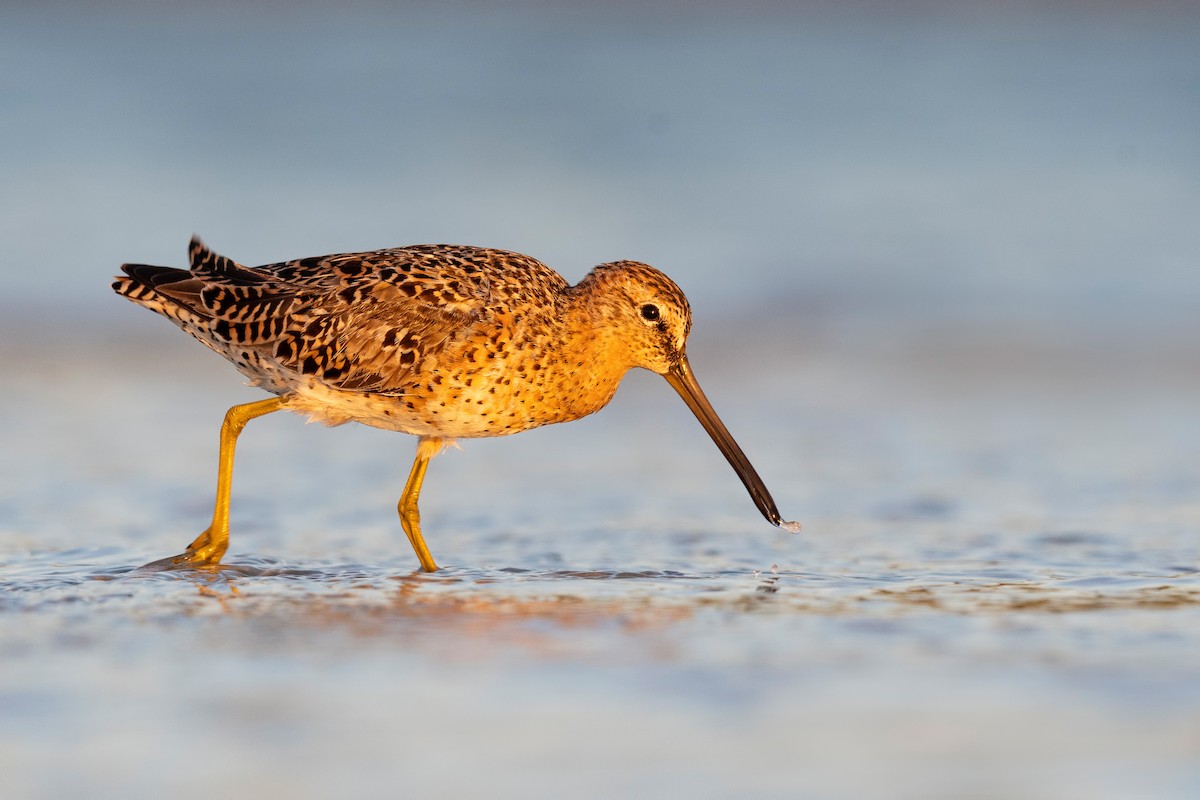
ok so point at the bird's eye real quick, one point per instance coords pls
(650, 312)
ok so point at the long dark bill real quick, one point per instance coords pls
(683, 381)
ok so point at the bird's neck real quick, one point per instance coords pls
(594, 359)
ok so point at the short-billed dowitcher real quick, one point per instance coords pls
(440, 341)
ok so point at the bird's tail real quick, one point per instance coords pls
(174, 293)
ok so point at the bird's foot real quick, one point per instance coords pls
(203, 553)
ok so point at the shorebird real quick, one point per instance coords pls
(439, 341)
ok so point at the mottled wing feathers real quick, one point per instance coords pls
(370, 320)
(357, 321)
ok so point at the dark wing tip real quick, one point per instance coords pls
(151, 276)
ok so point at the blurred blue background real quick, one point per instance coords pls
(1014, 163)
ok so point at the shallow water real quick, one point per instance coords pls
(984, 601)
(943, 272)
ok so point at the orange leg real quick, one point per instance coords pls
(209, 546)
(410, 515)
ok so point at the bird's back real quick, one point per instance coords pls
(362, 322)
